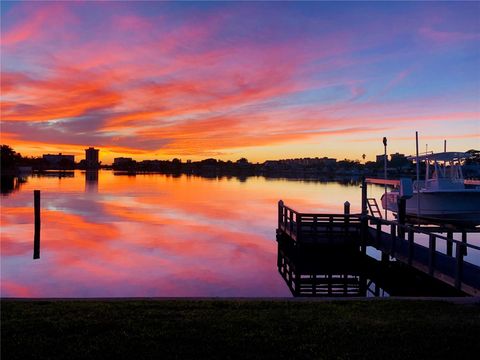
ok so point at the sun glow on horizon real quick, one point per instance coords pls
(156, 80)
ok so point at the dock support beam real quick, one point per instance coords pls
(402, 206)
(410, 246)
(464, 240)
(449, 243)
(280, 213)
(36, 236)
(364, 197)
(431, 254)
(459, 265)
(363, 221)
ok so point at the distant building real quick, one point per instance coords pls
(399, 160)
(59, 161)
(122, 161)
(91, 158)
(328, 161)
(397, 156)
(381, 159)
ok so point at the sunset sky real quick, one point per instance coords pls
(260, 80)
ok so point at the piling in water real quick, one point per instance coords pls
(36, 236)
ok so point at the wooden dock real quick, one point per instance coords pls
(304, 228)
(405, 243)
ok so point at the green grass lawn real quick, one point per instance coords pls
(217, 329)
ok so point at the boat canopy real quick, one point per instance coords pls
(445, 156)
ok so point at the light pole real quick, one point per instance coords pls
(385, 172)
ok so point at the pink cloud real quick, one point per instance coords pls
(447, 37)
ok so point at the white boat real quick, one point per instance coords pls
(443, 196)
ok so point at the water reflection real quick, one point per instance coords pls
(345, 271)
(322, 272)
(55, 174)
(105, 235)
(91, 181)
(10, 184)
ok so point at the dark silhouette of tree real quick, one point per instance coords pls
(242, 161)
(9, 158)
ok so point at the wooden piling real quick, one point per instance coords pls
(346, 212)
(402, 206)
(449, 243)
(36, 236)
(378, 233)
(280, 213)
(459, 265)
(464, 240)
(299, 227)
(393, 233)
(410, 245)
(431, 254)
(364, 197)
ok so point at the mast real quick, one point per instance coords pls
(418, 176)
(385, 170)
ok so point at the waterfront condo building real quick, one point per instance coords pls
(91, 158)
(59, 161)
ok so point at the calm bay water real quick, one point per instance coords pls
(154, 235)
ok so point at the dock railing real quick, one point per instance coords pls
(434, 259)
(303, 226)
(439, 256)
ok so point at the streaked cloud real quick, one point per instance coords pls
(162, 80)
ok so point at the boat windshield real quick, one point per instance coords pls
(443, 171)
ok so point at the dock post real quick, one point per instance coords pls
(363, 217)
(364, 197)
(431, 254)
(393, 234)
(280, 213)
(402, 205)
(36, 236)
(363, 235)
(459, 265)
(298, 230)
(464, 240)
(449, 243)
(410, 245)
(378, 233)
(346, 213)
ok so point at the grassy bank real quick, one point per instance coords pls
(239, 329)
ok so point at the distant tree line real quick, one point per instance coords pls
(11, 161)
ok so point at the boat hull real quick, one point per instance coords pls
(446, 207)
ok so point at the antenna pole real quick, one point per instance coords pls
(418, 176)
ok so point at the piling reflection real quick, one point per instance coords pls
(322, 271)
(153, 235)
(346, 271)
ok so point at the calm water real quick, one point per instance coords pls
(154, 235)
